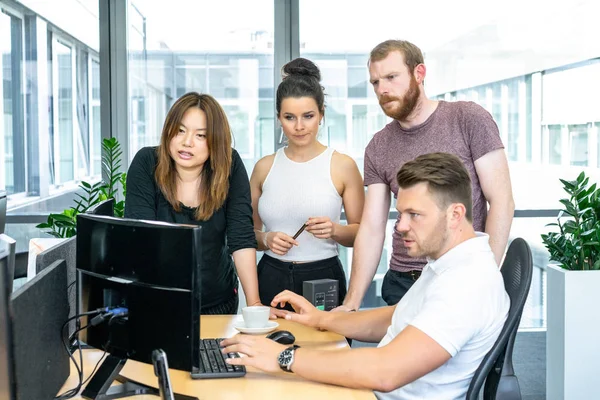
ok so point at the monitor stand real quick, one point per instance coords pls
(99, 387)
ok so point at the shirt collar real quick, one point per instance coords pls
(453, 256)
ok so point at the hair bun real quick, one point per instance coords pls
(301, 66)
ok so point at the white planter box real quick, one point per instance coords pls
(573, 335)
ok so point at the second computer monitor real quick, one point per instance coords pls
(153, 270)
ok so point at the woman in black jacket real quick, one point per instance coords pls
(195, 177)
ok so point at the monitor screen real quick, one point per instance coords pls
(152, 270)
(7, 388)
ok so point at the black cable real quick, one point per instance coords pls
(73, 392)
(68, 293)
(96, 367)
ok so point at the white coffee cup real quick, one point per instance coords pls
(256, 316)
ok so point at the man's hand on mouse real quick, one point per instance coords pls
(260, 352)
(306, 313)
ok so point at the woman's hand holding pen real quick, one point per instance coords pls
(279, 242)
(321, 227)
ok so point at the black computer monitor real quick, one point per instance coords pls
(33, 360)
(7, 382)
(39, 311)
(152, 269)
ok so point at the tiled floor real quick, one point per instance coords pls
(529, 359)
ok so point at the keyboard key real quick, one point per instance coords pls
(213, 364)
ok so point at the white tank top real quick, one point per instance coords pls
(293, 192)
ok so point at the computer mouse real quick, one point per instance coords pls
(282, 337)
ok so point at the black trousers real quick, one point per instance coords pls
(396, 284)
(275, 276)
(227, 307)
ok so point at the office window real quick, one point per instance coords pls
(554, 144)
(12, 135)
(190, 72)
(230, 59)
(358, 82)
(513, 131)
(263, 143)
(266, 87)
(95, 133)
(240, 116)
(578, 136)
(63, 137)
(44, 73)
(530, 229)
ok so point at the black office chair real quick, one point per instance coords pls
(517, 270)
(105, 207)
(7, 247)
(2, 210)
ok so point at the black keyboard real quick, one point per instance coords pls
(212, 362)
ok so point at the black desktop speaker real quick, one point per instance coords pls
(40, 308)
(322, 293)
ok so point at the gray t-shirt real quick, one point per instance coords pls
(461, 128)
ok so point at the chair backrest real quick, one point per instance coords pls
(67, 251)
(517, 271)
(105, 207)
(8, 245)
(2, 210)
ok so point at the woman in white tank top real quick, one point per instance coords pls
(303, 184)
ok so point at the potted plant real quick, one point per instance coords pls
(64, 225)
(573, 293)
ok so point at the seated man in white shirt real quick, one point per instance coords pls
(433, 340)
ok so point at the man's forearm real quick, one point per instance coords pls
(367, 253)
(355, 368)
(366, 326)
(245, 264)
(499, 221)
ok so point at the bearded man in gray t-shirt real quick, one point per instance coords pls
(422, 126)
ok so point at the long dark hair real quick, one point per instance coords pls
(214, 181)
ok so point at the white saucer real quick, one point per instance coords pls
(271, 326)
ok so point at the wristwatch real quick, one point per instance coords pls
(286, 358)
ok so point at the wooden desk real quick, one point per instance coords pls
(255, 385)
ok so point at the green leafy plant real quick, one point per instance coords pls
(576, 245)
(64, 225)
